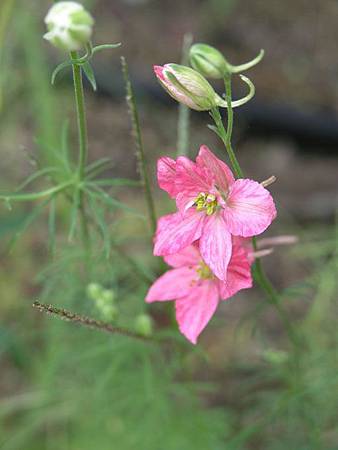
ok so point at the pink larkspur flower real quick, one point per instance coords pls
(212, 207)
(196, 290)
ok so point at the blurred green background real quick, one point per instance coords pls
(243, 387)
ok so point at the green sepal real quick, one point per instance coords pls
(88, 71)
(59, 68)
(98, 48)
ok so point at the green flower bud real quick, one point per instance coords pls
(188, 86)
(69, 26)
(107, 295)
(108, 311)
(144, 325)
(208, 61)
(94, 291)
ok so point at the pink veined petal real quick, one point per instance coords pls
(160, 72)
(194, 311)
(249, 208)
(223, 177)
(190, 181)
(177, 231)
(215, 245)
(166, 173)
(238, 274)
(189, 256)
(174, 284)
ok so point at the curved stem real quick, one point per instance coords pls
(223, 134)
(258, 271)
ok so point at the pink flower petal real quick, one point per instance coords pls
(250, 208)
(216, 245)
(177, 231)
(194, 311)
(189, 256)
(174, 284)
(166, 173)
(190, 181)
(222, 174)
(238, 274)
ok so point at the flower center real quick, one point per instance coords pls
(204, 272)
(206, 202)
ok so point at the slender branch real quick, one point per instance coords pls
(81, 115)
(83, 143)
(140, 154)
(183, 124)
(88, 322)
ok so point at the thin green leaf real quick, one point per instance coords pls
(52, 225)
(59, 68)
(88, 71)
(35, 176)
(34, 195)
(98, 215)
(74, 214)
(27, 222)
(98, 48)
(110, 201)
(117, 182)
(98, 166)
(215, 130)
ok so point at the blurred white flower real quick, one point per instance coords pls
(69, 26)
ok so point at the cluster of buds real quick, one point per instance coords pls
(189, 85)
(69, 26)
(104, 301)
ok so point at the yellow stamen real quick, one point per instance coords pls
(206, 202)
(204, 272)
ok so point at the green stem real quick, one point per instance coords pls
(83, 143)
(223, 134)
(140, 154)
(258, 271)
(183, 124)
(81, 116)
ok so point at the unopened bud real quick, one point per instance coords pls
(69, 26)
(208, 61)
(94, 291)
(188, 86)
(144, 324)
(107, 295)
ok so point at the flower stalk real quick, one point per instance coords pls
(83, 141)
(257, 269)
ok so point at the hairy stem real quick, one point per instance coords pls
(88, 322)
(140, 154)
